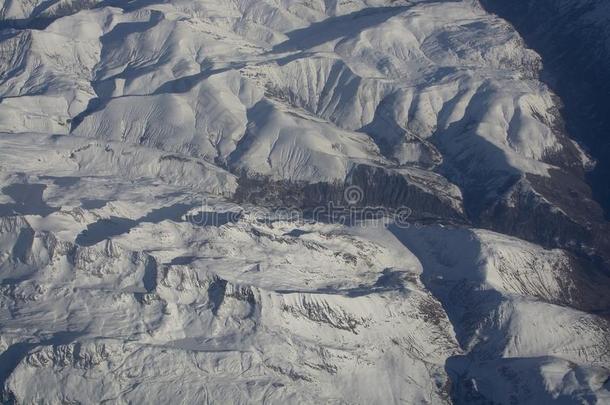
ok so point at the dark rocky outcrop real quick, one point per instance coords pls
(426, 196)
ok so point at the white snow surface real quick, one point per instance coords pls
(128, 274)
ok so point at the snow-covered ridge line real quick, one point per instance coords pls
(305, 94)
(146, 145)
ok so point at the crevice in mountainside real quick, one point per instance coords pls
(107, 228)
(336, 27)
(481, 304)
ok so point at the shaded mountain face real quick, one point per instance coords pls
(573, 39)
(171, 171)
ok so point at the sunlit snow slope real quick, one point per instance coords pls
(146, 145)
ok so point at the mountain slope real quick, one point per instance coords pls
(573, 38)
(164, 164)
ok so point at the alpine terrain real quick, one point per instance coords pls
(304, 201)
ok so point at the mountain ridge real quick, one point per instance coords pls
(162, 164)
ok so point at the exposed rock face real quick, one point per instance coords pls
(554, 212)
(425, 194)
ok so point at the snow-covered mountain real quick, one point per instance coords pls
(150, 152)
(573, 36)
